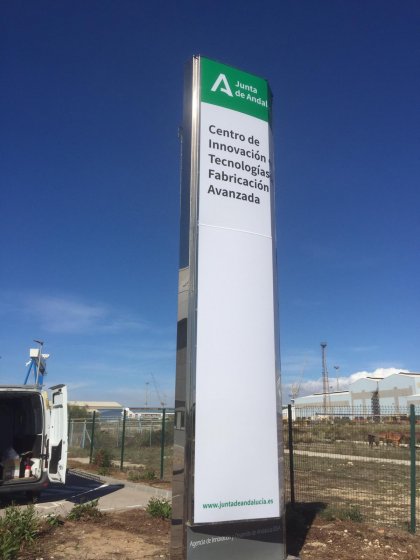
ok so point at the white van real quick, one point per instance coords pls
(33, 438)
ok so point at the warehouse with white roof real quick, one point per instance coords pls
(368, 395)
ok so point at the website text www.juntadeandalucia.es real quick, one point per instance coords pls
(239, 503)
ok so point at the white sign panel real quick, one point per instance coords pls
(236, 474)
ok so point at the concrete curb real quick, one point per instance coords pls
(85, 474)
(145, 488)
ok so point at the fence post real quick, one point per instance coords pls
(291, 462)
(92, 435)
(122, 439)
(162, 443)
(412, 469)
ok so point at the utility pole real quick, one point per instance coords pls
(325, 381)
(162, 403)
(147, 393)
(337, 378)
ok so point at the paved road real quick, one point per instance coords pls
(113, 494)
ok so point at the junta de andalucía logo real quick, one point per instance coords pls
(222, 84)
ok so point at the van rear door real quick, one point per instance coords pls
(57, 437)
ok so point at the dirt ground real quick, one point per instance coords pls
(339, 540)
(129, 535)
(134, 535)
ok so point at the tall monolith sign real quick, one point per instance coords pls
(228, 470)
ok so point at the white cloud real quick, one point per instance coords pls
(128, 395)
(378, 372)
(305, 388)
(68, 315)
(316, 386)
(74, 386)
(364, 349)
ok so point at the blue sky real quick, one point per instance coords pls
(91, 101)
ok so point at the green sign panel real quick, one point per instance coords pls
(233, 89)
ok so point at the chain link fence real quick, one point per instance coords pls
(140, 444)
(357, 464)
(360, 465)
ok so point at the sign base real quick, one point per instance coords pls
(251, 540)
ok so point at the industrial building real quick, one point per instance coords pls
(96, 406)
(370, 395)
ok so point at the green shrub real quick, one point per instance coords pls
(18, 528)
(103, 458)
(53, 520)
(88, 510)
(134, 476)
(149, 474)
(343, 513)
(158, 507)
(354, 514)
(137, 476)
